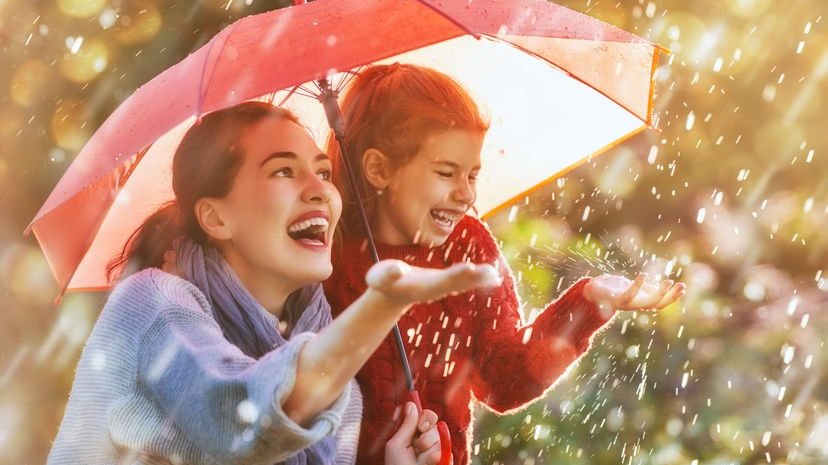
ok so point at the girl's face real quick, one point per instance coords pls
(280, 214)
(424, 199)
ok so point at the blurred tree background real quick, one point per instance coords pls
(730, 197)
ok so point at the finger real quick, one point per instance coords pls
(426, 440)
(461, 277)
(627, 296)
(405, 434)
(386, 273)
(427, 420)
(655, 295)
(431, 456)
(675, 293)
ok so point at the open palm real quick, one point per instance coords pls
(405, 284)
(613, 292)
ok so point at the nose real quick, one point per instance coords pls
(464, 192)
(315, 190)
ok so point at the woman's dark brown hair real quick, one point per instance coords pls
(204, 165)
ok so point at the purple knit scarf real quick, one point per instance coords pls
(247, 325)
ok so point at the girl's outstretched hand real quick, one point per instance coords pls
(417, 442)
(612, 292)
(403, 284)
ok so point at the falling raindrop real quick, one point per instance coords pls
(691, 120)
(788, 354)
(792, 305)
(651, 157)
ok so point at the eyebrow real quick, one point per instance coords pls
(452, 164)
(292, 156)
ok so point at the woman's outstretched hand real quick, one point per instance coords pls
(402, 284)
(417, 442)
(612, 292)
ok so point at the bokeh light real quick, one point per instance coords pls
(26, 274)
(138, 23)
(81, 8)
(31, 82)
(779, 141)
(84, 59)
(70, 124)
(748, 8)
(10, 123)
(679, 30)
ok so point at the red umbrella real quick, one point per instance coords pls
(90, 212)
(549, 77)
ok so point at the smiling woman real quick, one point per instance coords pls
(240, 361)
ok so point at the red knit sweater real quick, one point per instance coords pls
(472, 344)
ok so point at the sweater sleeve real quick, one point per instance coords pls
(227, 404)
(516, 362)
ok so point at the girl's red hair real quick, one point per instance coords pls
(394, 109)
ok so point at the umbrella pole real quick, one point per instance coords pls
(334, 114)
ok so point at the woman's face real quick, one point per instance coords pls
(282, 209)
(426, 197)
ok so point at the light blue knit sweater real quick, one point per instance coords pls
(157, 383)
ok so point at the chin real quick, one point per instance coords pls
(319, 272)
(433, 240)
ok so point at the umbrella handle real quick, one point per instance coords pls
(442, 430)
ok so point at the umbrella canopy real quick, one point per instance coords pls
(558, 86)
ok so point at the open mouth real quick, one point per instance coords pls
(312, 231)
(446, 218)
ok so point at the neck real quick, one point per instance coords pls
(383, 231)
(270, 291)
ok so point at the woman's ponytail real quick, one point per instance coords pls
(146, 246)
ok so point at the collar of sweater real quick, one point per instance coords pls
(414, 253)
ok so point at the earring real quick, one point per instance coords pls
(379, 192)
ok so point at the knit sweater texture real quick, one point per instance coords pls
(471, 345)
(157, 383)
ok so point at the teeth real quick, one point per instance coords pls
(302, 225)
(445, 217)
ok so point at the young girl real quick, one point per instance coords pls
(414, 138)
(224, 366)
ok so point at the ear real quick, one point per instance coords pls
(208, 212)
(376, 168)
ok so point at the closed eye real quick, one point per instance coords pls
(445, 174)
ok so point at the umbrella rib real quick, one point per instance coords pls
(202, 86)
(292, 91)
(349, 76)
(445, 15)
(306, 92)
(125, 177)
